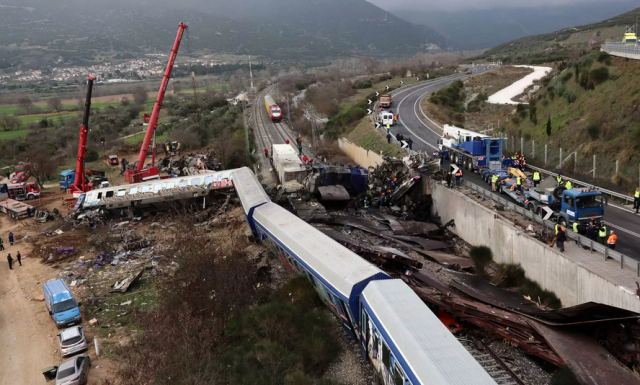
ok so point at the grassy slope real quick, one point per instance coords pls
(604, 121)
(566, 43)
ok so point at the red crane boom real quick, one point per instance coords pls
(139, 173)
(80, 183)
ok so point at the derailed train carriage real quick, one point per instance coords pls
(403, 339)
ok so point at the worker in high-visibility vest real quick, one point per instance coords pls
(576, 229)
(494, 182)
(556, 228)
(568, 185)
(559, 180)
(612, 240)
(536, 178)
(602, 233)
(636, 199)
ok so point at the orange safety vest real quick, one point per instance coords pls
(613, 239)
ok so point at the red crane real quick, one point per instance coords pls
(139, 173)
(80, 183)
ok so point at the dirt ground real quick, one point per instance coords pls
(28, 336)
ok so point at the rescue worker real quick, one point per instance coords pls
(519, 183)
(561, 237)
(576, 229)
(299, 148)
(10, 238)
(19, 258)
(494, 182)
(602, 233)
(458, 176)
(1, 244)
(388, 137)
(388, 127)
(636, 199)
(266, 152)
(536, 178)
(410, 143)
(10, 261)
(286, 141)
(568, 185)
(612, 240)
(559, 180)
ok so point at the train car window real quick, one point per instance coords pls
(99, 195)
(386, 356)
(196, 181)
(133, 190)
(364, 322)
(109, 194)
(121, 192)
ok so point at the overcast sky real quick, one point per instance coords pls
(456, 5)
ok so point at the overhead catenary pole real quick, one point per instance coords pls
(545, 153)
(560, 165)
(533, 149)
(594, 166)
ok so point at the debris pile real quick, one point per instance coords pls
(191, 164)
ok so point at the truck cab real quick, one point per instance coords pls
(581, 205)
(66, 179)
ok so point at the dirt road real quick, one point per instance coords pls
(27, 334)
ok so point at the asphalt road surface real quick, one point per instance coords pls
(415, 124)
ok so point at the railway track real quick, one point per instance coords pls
(501, 373)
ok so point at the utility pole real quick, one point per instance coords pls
(251, 75)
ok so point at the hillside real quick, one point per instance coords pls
(563, 44)
(594, 109)
(35, 33)
(471, 28)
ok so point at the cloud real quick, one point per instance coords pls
(456, 5)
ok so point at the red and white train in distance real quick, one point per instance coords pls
(273, 109)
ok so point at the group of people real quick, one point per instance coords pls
(594, 230)
(401, 139)
(518, 160)
(10, 259)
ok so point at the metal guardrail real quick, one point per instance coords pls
(579, 183)
(623, 260)
(622, 48)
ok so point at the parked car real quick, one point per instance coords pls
(72, 341)
(73, 371)
(61, 304)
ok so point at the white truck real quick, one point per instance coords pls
(287, 164)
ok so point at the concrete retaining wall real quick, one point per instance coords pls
(364, 158)
(575, 277)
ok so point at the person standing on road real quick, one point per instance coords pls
(266, 152)
(388, 137)
(19, 258)
(636, 199)
(612, 240)
(602, 233)
(1, 244)
(10, 261)
(11, 238)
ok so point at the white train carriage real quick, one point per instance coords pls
(337, 274)
(408, 344)
(249, 189)
(155, 191)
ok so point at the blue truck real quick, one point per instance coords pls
(62, 306)
(95, 177)
(472, 150)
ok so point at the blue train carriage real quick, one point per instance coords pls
(337, 274)
(250, 191)
(408, 344)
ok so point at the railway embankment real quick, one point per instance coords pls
(576, 275)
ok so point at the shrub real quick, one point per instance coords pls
(599, 75)
(513, 276)
(362, 84)
(565, 78)
(570, 96)
(593, 130)
(604, 57)
(481, 257)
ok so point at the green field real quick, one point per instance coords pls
(26, 120)
(9, 135)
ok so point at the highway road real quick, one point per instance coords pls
(415, 124)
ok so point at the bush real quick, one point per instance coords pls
(362, 84)
(604, 57)
(594, 131)
(481, 257)
(91, 155)
(570, 96)
(452, 96)
(599, 75)
(513, 276)
(565, 78)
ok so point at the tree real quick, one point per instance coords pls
(55, 104)
(549, 127)
(139, 96)
(26, 103)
